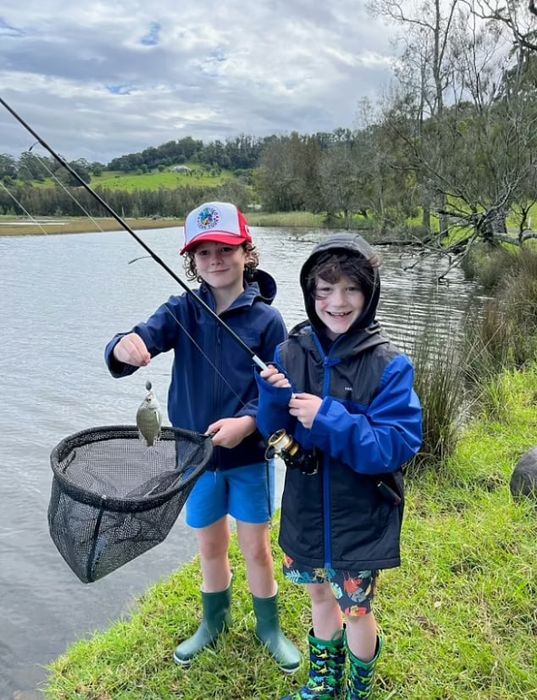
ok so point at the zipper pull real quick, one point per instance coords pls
(389, 493)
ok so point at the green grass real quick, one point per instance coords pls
(129, 182)
(459, 616)
(289, 219)
(158, 180)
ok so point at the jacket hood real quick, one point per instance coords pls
(262, 287)
(266, 285)
(349, 344)
(351, 244)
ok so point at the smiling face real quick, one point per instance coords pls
(221, 266)
(338, 304)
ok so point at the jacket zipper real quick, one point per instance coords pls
(326, 470)
(217, 379)
(326, 484)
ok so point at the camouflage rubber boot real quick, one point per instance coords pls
(361, 675)
(327, 664)
(216, 618)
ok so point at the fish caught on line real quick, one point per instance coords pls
(149, 417)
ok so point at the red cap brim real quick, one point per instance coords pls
(216, 237)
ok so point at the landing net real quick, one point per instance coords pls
(113, 497)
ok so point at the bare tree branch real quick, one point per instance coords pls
(508, 17)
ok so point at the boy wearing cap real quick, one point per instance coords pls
(213, 390)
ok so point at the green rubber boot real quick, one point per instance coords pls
(216, 618)
(361, 676)
(268, 632)
(327, 665)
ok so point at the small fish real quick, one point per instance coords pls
(149, 417)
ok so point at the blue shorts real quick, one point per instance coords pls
(245, 493)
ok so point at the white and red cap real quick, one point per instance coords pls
(216, 222)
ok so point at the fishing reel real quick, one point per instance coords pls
(293, 454)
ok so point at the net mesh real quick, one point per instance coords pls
(113, 497)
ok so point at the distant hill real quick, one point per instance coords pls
(234, 154)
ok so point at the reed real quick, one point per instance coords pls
(439, 382)
(504, 334)
(489, 266)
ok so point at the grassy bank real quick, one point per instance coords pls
(459, 617)
(19, 226)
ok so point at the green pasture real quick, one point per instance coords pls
(157, 180)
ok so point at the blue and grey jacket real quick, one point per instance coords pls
(212, 376)
(369, 424)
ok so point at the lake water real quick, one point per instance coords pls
(62, 299)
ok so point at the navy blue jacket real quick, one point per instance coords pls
(369, 424)
(203, 391)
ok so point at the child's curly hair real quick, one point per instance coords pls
(252, 262)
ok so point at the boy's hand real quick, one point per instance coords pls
(131, 350)
(304, 407)
(275, 377)
(230, 432)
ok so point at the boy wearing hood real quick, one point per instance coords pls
(345, 394)
(213, 390)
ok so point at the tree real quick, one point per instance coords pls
(475, 155)
(424, 69)
(32, 167)
(347, 176)
(339, 182)
(8, 168)
(288, 175)
(81, 168)
(513, 15)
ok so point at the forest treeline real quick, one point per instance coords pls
(451, 145)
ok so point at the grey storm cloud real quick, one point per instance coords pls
(99, 81)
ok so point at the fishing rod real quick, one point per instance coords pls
(127, 228)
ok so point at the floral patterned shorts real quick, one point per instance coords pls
(354, 591)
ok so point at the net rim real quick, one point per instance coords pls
(101, 433)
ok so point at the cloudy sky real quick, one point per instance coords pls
(100, 79)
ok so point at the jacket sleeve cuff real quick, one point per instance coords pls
(117, 369)
(273, 412)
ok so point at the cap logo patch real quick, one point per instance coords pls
(208, 218)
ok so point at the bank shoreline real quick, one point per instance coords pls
(61, 225)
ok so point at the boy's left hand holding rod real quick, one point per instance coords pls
(304, 407)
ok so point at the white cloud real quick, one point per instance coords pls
(99, 80)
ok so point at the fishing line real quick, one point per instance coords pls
(23, 209)
(127, 228)
(58, 181)
(64, 188)
(198, 346)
